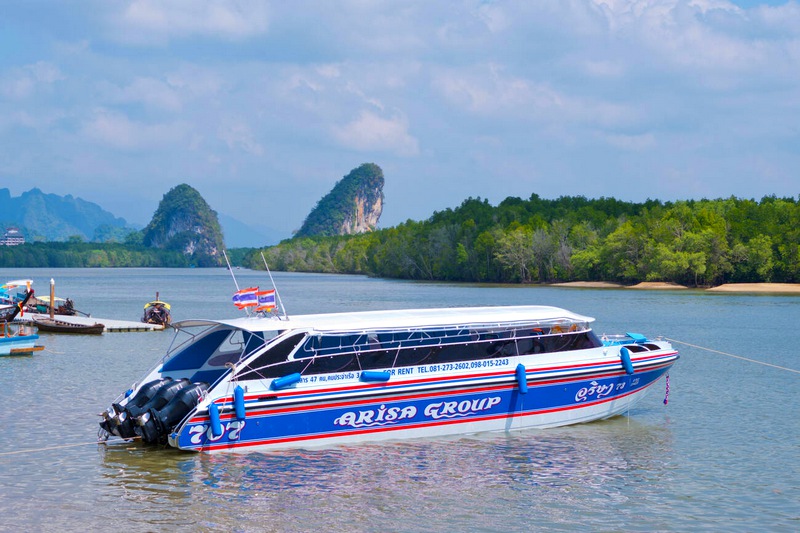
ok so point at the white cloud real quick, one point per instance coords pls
(487, 90)
(17, 87)
(630, 142)
(109, 128)
(151, 92)
(369, 132)
(25, 81)
(238, 136)
(497, 95)
(166, 19)
(45, 72)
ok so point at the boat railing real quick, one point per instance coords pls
(368, 349)
(343, 343)
(17, 329)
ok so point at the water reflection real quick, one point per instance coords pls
(396, 485)
(722, 456)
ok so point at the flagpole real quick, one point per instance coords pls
(278, 294)
(230, 269)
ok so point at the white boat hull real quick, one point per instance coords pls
(352, 416)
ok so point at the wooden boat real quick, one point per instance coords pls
(52, 325)
(18, 339)
(157, 312)
(62, 306)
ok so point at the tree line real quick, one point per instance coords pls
(76, 254)
(572, 238)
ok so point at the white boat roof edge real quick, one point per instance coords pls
(398, 318)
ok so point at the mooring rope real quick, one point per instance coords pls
(50, 448)
(62, 446)
(735, 356)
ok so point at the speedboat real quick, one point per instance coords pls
(269, 382)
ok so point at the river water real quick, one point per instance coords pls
(722, 455)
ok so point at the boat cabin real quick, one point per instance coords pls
(311, 347)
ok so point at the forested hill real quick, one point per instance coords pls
(354, 205)
(185, 223)
(184, 231)
(695, 243)
(49, 217)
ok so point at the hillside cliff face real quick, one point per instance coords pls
(354, 205)
(184, 222)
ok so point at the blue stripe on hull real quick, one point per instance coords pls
(371, 418)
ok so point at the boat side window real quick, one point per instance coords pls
(328, 364)
(636, 348)
(328, 345)
(462, 345)
(323, 354)
(580, 340)
(268, 363)
(377, 357)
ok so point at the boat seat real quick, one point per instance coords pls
(638, 338)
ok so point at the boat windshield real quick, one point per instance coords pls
(207, 355)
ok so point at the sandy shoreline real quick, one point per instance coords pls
(658, 285)
(785, 288)
(791, 288)
(590, 284)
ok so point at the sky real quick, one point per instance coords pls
(262, 106)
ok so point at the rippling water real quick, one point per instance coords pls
(724, 454)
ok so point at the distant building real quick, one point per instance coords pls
(12, 237)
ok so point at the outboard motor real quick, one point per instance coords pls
(117, 420)
(154, 425)
(127, 426)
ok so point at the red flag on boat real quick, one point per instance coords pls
(246, 297)
(266, 300)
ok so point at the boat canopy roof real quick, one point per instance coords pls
(156, 302)
(17, 283)
(46, 300)
(400, 319)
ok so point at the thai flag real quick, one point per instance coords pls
(246, 298)
(266, 300)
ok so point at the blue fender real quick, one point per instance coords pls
(286, 381)
(376, 375)
(238, 402)
(522, 379)
(625, 357)
(216, 425)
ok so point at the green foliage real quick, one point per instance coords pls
(50, 217)
(109, 233)
(328, 216)
(88, 255)
(696, 243)
(185, 223)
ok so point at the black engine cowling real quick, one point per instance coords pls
(118, 420)
(155, 424)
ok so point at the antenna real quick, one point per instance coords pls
(278, 294)
(230, 269)
(236, 283)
